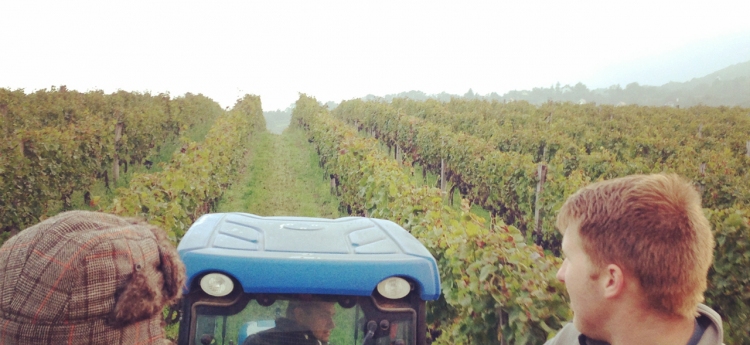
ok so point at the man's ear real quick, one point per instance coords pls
(613, 281)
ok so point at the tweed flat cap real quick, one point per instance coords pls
(87, 278)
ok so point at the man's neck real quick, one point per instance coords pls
(651, 328)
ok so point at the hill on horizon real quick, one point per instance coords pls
(680, 65)
(726, 87)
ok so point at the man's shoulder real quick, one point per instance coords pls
(277, 336)
(713, 335)
(286, 331)
(266, 337)
(714, 332)
(255, 339)
(568, 335)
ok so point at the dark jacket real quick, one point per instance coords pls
(286, 332)
(713, 334)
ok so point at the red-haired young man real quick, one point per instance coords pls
(637, 252)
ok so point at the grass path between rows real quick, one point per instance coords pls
(282, 178)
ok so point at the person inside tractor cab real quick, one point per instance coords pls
(306, 323)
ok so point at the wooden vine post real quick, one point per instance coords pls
(116, 164)
(747, 146)
(6, 120)
(500, 324)
(442, 171)
(398, 147)
(334, 186)
(702, 171)
(542, 173)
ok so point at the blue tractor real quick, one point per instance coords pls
(292, 280)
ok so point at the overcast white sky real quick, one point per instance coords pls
(337, 50)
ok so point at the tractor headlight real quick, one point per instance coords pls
(217, 284)
(394, 288)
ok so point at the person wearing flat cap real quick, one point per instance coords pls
(87, 278)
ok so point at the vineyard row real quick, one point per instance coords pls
(59, 142)
(197, 176)
(494, 285)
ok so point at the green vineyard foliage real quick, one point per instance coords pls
(196, 177)
(501, 182)
(60, 141)
(495, 286)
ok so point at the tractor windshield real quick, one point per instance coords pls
(304, 319)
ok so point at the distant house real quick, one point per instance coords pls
(582, 101)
